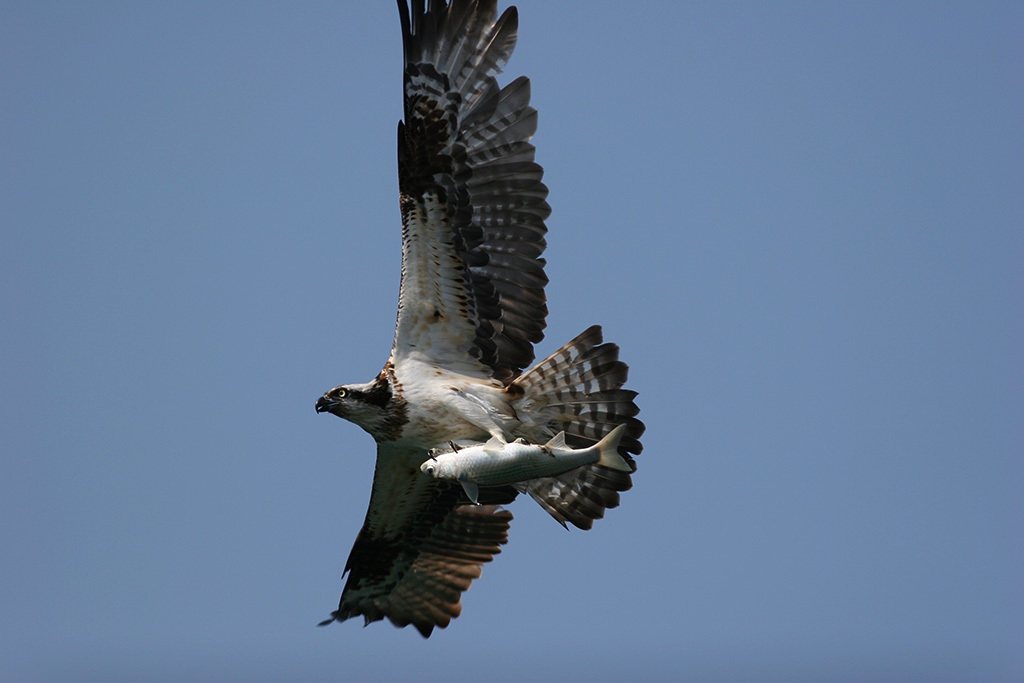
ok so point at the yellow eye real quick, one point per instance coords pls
(342, 393)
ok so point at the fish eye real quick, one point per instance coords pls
(429, 469)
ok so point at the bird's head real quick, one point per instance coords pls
(368, 405)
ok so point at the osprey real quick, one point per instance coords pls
(470, 308)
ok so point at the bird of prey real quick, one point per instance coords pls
(471, 306)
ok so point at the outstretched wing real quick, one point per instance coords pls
(420, 547)
(473, 204)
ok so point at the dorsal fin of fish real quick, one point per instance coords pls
(557, 441)
(494, 444)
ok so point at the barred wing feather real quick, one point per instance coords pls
(420, 547)
(473, 203)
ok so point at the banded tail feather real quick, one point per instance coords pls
(577, 389)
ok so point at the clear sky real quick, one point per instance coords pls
(802, 222)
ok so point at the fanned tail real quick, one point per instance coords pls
(578, 390)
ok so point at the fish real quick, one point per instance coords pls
(497, 462)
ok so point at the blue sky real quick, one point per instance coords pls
(802, 222)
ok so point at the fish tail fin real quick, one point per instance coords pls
(608, 447)
(578, 390)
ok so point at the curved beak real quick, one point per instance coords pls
(324, 404)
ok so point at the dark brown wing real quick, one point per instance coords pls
(420, 547)
(473, 204)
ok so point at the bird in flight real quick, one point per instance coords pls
(470, 308)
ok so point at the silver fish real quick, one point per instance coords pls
(497, 462)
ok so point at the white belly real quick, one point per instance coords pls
(442, 406)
